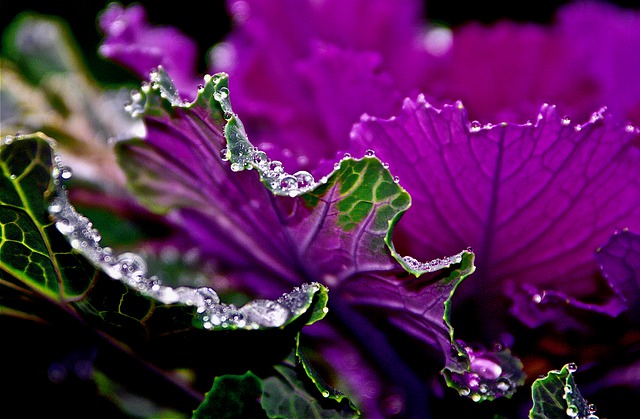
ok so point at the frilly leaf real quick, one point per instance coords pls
(485, 385)
(366, 190)
(500, 181)
(26, 161)
(338, 227)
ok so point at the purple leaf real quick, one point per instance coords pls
(293, 117)
(534, 200)
(270, 236)
(584, 59)
(619, 260)
(303, 125)
(132, 42)
(179, 170)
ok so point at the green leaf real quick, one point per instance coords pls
(27, 252)
(36, 258)
(40, 266)
(347, 408)
(232, 396)
(79, 276)
(291, 388)
(556, 396)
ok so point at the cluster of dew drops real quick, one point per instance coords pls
(271, 172)
(131, 269)
(476, 126)
(486, 379)
(244, 156)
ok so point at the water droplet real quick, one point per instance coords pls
(221, 94)
(475, 126)
(325, 393)
(566, 121)
(64, 226)
(265, 313)
(129, 265)
(473, 380)
(346, 156)
(65, 173)
(288, 182)
(260, 158)
(56, 206)
(396, 179)
(209, 296)
(572, 367)
(476, 397)
(537, 298)
(225, 154)
(437, 41)
(572, 411)
(304, 179)
(596, 116)
(464, 391)
(370, 153)
(276, 167)
(503, 384)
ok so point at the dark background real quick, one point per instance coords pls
(207, 21)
